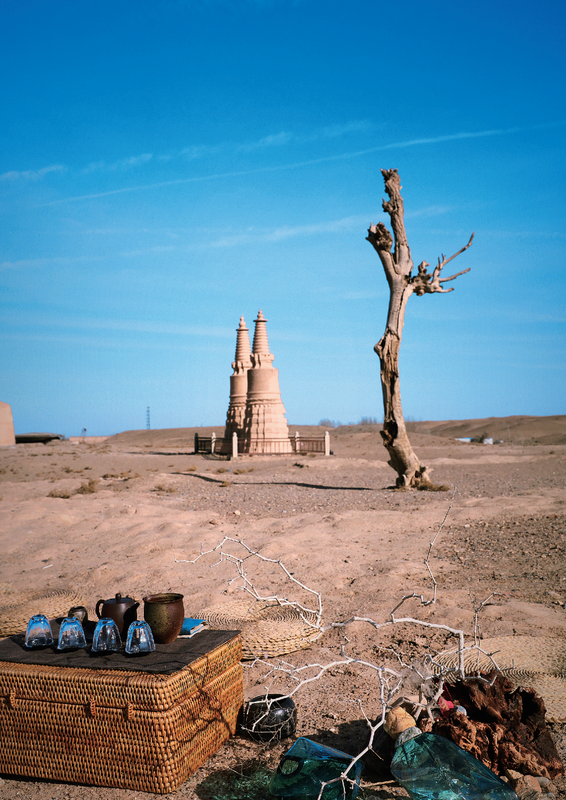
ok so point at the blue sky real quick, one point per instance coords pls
(167, 167)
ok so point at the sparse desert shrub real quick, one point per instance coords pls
(88, 488)
(328, 423)
(242, 471)
(164, 489)
(67, 470)
(192, 468)
(62, 494)
(220, 470)
(225, 483)
(428, 486)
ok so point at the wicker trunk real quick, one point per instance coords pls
(131, 730)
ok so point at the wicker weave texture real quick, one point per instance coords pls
(147, 751)
(116, 688)
(14, 616)
(119, 745)
(268, 629)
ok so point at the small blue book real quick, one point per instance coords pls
(192, 626)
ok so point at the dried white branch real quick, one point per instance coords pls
(225, 555)
(390, 682)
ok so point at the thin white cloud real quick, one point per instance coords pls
(31, 174)
(247, 237)
(30, 263)
(274, 140)
(132, 326)
(122, 164)
(115, 343)
(195, 151)
(357, 126)
(288, 232)
(277, 140)
(428, 211)
(311, 162)
(80, 328)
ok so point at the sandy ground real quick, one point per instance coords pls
(129, 513)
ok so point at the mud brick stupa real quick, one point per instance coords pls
(256, 413)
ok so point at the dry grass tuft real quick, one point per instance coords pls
(225, 483)
(88, 488)
(164, 489)
(192, 468)
(63, 494)
(428, 486)
(242, 471)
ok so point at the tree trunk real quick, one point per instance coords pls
(398, 268)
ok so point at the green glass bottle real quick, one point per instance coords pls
(431, 767)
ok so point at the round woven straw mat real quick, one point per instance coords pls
(533, 662)
(268, 629)
(15, 614)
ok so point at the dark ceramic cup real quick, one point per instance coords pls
(269, 717)
(164, 614)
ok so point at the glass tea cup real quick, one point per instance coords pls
(140, 638)
(71, 634)
(106, 638)
(39, 633)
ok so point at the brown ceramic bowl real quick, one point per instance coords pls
(165, 614)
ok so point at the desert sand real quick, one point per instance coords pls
(130, 513)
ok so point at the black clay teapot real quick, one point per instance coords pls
(123, 610)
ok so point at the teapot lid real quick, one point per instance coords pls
(119, 600)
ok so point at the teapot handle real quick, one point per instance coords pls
(97, 608)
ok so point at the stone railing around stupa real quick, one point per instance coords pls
(238, 446)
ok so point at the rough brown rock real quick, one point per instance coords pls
(505, 728)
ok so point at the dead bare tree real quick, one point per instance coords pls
(398, 267)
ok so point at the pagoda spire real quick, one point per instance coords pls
(242, 359)
(261, 345)
(265, 426)
(239, 383)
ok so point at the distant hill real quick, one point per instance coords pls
(515, 430)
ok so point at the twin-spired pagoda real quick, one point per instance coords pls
(256, 413)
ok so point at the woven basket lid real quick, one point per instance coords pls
(533, 662)
(268, 627)
(14, 616)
